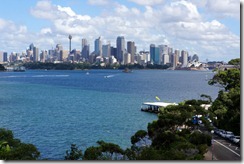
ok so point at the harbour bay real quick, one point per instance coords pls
(52, 109)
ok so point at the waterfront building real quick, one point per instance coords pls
(43, 56)
(154, 54)
(127, 58)
(98, 47)
(176, 58)
(35, 54)
(112, 60)
(106, 50)
(165, 59)
(3, 57)
(31, 47)
(113, 51)
(132, 50)
(184, 56)
(85, 49)
(120, 43)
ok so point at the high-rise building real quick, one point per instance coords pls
(85, 49)
(35, 54)
(132, 50)
(43, 56)
(176, 58)
(184, 56)
(5, 56)
(106, 50)
(165, 59)
(98, 47)
(31, 47)
(120, 43)
(113, 51)
(127, 58)
(154, 54)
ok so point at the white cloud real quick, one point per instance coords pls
(98, 2)
(148, 2)
(224, 8)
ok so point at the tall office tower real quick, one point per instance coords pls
(127, 58)
(43, 56)
(165, 59)
(171, 55)
(85, 49)
(154, 54)
(120, 43)
(132, 50)
(176, 58)
(184, 56)
(195, 57)
(106, 50)
(31, 47)
(113, 51)
(1, 57)
(35, 54)
(189, 58)
(98, 47)
(83, 43)
(5, 56)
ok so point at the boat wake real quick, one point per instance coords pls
(50, 76)
(108, 76)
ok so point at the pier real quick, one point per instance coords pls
(153, 107)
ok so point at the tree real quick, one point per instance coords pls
(14, 149)
(235, 62)
(226, 107)
(74, 153)
(2, 68)
(104, 151)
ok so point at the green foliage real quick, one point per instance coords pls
(2, 68)
(92, 153)
(235, 61)
(198, 138)
(138, 136)
(14, 149)
(226, 106)
(227, 79)
(74, 153)
(105, 151)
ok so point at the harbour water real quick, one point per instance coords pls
(53, 109)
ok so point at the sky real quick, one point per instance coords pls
(208, 28)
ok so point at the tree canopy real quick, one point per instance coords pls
(13, 149)
(226, 107)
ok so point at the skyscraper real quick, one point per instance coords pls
(5, 56)
(106, 50)
(184, 56)
(85, 49)
(132, 50)
(98, 47)
(176, 58)
(154, 54)
(35, 54)
(120, 43)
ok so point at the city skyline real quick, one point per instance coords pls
(205, 28)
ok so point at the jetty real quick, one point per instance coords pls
(153, 107)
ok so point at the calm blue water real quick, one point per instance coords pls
(52, 109)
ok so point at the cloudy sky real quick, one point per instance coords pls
(209, 28)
